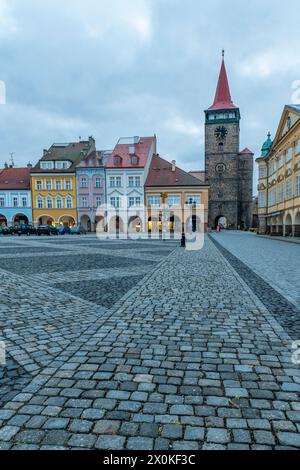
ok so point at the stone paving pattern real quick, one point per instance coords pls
(174, 364)
(285, 312)
(278, 263)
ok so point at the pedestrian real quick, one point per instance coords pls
(218, 228)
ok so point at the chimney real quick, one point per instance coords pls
(29, 165)
(92, 145)
(173, 165)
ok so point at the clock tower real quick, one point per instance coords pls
(225, 166)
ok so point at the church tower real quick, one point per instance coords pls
(227, 170)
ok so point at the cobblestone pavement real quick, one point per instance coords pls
(277, 262)
(188, 358)
(285, 312)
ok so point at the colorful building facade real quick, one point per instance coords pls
(279, 178)
(126, 172)
(53, 183)
(91, 188)
(15, 196)
(166, 183)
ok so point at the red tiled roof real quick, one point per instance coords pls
(246, 151)
(141, 150)
(223, 97)
(161, 175)
(15, 178)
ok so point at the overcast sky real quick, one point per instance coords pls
(112, 68)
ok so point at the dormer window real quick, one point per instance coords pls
(47, 165)
(62, 165)
(134, 160)
(117, 160)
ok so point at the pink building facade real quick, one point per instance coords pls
(91, 188)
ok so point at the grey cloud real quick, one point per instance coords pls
(124, 67)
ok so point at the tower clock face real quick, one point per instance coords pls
(221, 168)
(221, 133)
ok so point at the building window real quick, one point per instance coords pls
(174, 200)
(134, 160)
(15, 201)
(281, 192)
(117, 160)
(192, 199)
(62, 165)
(272, 167)
(59, 204)
(272, 197)
(49, 185)
(68, 185)
(40, 204)
(297, 146)
(134, 201)
(115, 202)
(115, 181)
(2, 201)
(58, 185)
(24, 201)
(154, 200)
(83, 183)
(281, 161)
(98, 182)
(98, 201)
(298, 185)
(262, 201)
(39, 185)
(69, 203)
(261, 172)
(84, 201)
(289, 154)
(49, 204)
(47, 165)
(134, 181)
(289, 189)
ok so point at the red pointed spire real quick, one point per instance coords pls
(223, 97)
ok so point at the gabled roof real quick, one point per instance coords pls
(161, 175)
(73, 152)
(15, 178)
(246, 151)
(223, 96)
(291, 111)
(295, 107)
(132, 146)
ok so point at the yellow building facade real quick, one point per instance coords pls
(53, 183)
(170, 185)
(279, 178)
(54, 199)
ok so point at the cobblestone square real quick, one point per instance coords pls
(144, 345)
